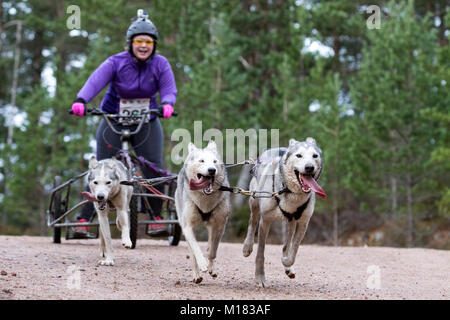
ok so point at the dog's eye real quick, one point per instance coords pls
(108, 182)
(315, 155)
(95, 182)
(299, 155)
(215, 161)
(201, 160)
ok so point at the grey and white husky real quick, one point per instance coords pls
(198, 199)
(294, 172)
(104, 179)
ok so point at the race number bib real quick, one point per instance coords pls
(130, 108)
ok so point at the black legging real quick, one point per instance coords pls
(148, 143)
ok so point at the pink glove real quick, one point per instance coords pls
(78, 109)
(167, 110)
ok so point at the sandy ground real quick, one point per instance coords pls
(35, 268)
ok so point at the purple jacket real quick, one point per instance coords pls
(131, 79)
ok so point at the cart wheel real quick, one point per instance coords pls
(134, 218)
(174, 229)
(56, 209)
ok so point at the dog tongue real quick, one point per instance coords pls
(89, 196)
(314, 186)
(198, 184)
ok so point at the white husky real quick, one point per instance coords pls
(293, 171)
(104, 179)
(198, 199)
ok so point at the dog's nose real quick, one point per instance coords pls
(100, 196)
(309, 168)
(212, 171)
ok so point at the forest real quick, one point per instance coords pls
(369, 81)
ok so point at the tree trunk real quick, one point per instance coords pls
(443, 40)
(15, 78)
(409, 203)
(35, 48)
(336, 49)
(394, 197)
(336, 194)
(10, 132)
(61, 58)
(1, 20)
(42, 212)
(336, 191)
(285, 110)
(335, 221)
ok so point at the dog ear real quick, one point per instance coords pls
(311, 141)
(111, 164)
(314, 143)
(292, 142)
(212, 145)
(191, 147)
(93, 163)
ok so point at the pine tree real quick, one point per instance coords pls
(396, 81)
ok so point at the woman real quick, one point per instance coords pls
(137, 74)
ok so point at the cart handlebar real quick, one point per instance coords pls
(142, 117)
(98, 112)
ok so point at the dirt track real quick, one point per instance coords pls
(35, 268)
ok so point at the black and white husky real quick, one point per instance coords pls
(198, 199)
(104, 179)
(294, 172)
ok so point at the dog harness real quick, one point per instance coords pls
(295, 215)
(205, 216)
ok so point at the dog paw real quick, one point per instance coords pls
(211, 271)
(127, 243)
(261, 281)
(287, 262)
(197, 280)
(213, 274)
(247, 250)
(290, 272)
(106, 262)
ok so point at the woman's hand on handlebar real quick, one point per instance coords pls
(167, 110)
(87, 111)
(78, 109)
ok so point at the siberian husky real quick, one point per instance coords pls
(294, 172)
(198, 199)
(104, 179)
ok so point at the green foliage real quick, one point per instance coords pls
(398, 81)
